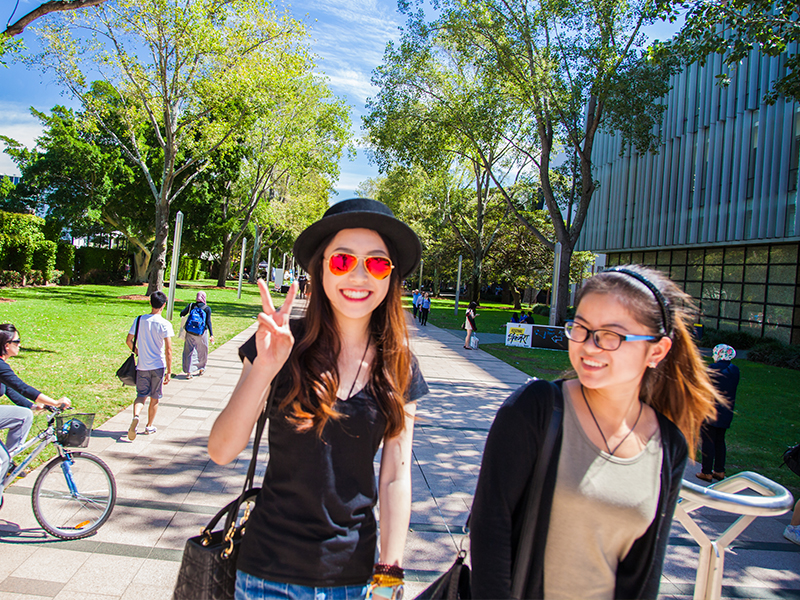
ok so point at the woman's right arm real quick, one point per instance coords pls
(274, 342)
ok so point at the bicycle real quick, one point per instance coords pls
(75, 492)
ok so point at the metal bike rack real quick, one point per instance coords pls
(774, 500)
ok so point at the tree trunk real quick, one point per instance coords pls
(158, 259)
(225, 260)
(563, 284)
(256, 255)
(140, 262)
(516, 297)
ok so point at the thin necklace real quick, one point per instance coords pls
(605, 441)
(358, 372)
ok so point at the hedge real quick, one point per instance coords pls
(777, 354)
(65, 260)
(44, 259)
(100, 265)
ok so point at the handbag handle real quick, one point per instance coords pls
(233, 507)
(522, 564)
(136, 334)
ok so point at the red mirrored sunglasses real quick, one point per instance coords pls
(341, 263)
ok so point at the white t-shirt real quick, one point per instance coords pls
(153, 330)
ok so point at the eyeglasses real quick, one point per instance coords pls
(603, 338)
(17, 342)
(341, 263)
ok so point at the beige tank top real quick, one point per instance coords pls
(602, 504)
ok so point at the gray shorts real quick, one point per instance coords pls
(149, 383)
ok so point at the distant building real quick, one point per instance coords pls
(716, 209)
(14, 178)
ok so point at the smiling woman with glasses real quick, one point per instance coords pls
(345, 381)
(17, 419)
(611, 478)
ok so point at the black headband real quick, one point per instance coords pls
(663, 303)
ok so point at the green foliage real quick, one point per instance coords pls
(777, 354)
(44, 259)
(100, 265)
(6, 187)
(65, 260)
(734, 28)
(10, 278)
(740, 340)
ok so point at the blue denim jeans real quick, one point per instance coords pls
(249, 587)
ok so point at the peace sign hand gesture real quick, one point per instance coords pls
(274, 339)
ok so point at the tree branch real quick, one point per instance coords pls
(47, 8)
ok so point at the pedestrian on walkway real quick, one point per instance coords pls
(792, 531)
(725, 376)
(425, 307)
(614, 474)
(345, 381)
(418, 305)
(154, 349)
(469, 323)
(302, 282)
(17, 419)
(199, 333)
(414, 304)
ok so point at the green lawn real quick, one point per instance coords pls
(767, 414)
(492, 317)
(73, 337)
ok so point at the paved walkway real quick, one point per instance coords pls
(168, 489)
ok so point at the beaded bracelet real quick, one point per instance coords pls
(393, 570)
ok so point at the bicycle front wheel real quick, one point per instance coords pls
(74, 495)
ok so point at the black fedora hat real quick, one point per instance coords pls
(357, 213)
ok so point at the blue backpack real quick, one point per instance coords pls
(196, 323)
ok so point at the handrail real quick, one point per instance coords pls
(775, 499)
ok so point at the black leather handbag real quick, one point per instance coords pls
(791, 458)
(208, 567)
(454, 584)
(127, 372)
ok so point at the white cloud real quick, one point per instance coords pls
(17, 123)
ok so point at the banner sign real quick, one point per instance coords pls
(523, 335)
(518, 334)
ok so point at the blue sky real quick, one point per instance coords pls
(348, 36)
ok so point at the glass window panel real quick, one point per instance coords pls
(678, 273)
(753, 327)
(664, 257)
(714, 256)
(782, 274)
(783, 254)
(649, 258)
(728, 325)
(711, 322)
(625, 258)
(612, 260)
(733, 272)
(679, 257)
(664, 269)
(694, 273)
(753, 312)
(780, 294)
(756, 274)
(711, 291)
(734, 256)
(637, 258)
(695, 257)
(779, 315)
(732, 291)
(753, 293)
(713, 273)
(756, 255)
(730, 310)
(710, 308)
(694, 289)
(782, 334)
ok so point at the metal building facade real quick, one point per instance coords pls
(716, 208)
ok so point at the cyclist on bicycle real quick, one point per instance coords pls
(17, 419)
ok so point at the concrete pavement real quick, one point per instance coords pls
(168, 489)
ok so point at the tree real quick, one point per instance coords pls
(436, 110)
(733, 29)
(18, 26)
(572, 68)
(191, 73)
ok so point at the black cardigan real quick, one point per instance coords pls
(500, 498)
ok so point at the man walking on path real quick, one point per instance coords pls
(154, 349)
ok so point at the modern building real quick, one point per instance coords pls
(716, 208)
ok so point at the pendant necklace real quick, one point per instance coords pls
(358, 372)
(641, 408)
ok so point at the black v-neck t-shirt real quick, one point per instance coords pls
(313, 523)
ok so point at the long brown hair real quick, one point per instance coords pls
(679, 387)
(313, 362)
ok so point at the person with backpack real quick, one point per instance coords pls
(197, 323)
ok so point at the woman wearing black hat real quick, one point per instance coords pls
(346, 380)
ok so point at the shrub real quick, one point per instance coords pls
(100, 265)
(65, 260)
(44, 258)
(777, 354)
(18, 256)
(740, 340)
(35, 277)
(541, 309)
(10, 278)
